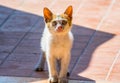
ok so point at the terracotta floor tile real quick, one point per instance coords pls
(39, 26)
(26, 50)
(30, 42)
(23, 24)
(11, 35)
(7, 45)
(43, 74)
(73, 59)
(110, 45)
(8, 42)
(4, 14)
(1, 61)
(79, 45)
(114, 76)
(96, 38)
(23, 57)
(100, 44)
(65, 4)
(11, 79)
(3, 55)
(11, 4)
(82, 30)
(112, 20)
(6, 49)
(15, 72)
(91, 13)
(81, 38)
(18, 65)
(76, 53)
(90, 64)
(33, 36)
(35, 7)
(91, 73)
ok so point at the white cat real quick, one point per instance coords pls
(56, 44)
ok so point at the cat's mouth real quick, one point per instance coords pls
(59, 29)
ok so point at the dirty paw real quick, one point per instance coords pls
(63, 80)
(53, 80)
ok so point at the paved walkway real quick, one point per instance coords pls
(96, 28)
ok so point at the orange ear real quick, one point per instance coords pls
(69, 11)
(47, 14)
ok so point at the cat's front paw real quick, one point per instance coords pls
(63, 80)
(53, 80)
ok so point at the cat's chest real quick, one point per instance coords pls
(59, 48)
(60, 42)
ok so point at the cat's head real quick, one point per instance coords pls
(58, 24)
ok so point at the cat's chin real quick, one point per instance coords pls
(59, 31)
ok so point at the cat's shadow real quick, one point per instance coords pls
(84, 37)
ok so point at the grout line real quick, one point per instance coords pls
(101, 22)
(110, 70)
(106, 14)
(3, 23)
(19, 39)
(80, 6)
(7, 18)
(97, 28)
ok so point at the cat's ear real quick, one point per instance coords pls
(47, 15)
(69, 11)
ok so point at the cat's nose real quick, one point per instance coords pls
(60, 28)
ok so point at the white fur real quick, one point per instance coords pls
(57, 47)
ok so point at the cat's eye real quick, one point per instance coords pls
(64, 22)
(54, 23)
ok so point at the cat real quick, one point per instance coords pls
(56, 44)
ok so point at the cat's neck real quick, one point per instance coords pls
(60, 36)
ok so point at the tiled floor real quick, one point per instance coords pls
(96, 29)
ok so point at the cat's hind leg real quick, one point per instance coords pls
(40, 65)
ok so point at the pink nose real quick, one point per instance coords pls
(59, 29)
